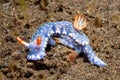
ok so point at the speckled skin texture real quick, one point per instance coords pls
(67, 35)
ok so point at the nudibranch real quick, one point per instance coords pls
(67, 34)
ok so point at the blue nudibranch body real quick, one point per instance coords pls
(67, 34)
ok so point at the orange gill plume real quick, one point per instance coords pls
(38, 41)
(80, 21)
(22, 42)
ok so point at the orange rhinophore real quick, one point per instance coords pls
(38, 40)
(22, 42)
(80, 22)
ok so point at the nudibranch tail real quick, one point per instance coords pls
(92, 57)
(95, 60)
(22, 42)
(80, 22)
(38, 40)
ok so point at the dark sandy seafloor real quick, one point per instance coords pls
(22, 18)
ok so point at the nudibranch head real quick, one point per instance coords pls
(36, 52)
(80, 22)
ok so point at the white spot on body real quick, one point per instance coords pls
(43, 53)
(78, 41)
(38, 57)
(85, 49)
(70, 45)
(28, 56)
(50, 32)
(71, 35)
(58, 29)
(32, 56)
(64, 31)
(83, 43)
(44, 40)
